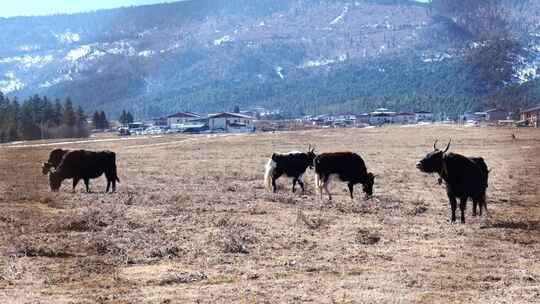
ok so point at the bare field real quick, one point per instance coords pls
(192, 223)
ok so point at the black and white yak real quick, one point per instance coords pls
(293, 164)
(85, 165)
(465, 177)
(348, 167)
(55, 157)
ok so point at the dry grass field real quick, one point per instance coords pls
(192, 223)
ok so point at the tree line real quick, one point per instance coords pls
(40, 118)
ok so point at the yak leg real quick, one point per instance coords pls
(483, 202)
(453, 207)
(86, 183)
(351, 189)
(301, 182)
(474, 204)
(319, 184)
(274, 187)
(75, 182)
(462, 207)
(325, 185)
(111, 179)
(295, 179)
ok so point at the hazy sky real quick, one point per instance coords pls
(12, 8)
(46, 7)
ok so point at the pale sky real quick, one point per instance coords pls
(10, 8)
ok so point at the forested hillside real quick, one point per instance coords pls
(292, 55)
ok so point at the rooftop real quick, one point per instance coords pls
(229, 115)
(185, 115)
(533, 109)
(495, 110)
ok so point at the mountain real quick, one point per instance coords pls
(297, 56)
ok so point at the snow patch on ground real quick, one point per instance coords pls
(28, 48)
(317, 63)
(146, 53)
(222, 40)
(78, 53)
(10, 83)
(28, 61)
(171, 48)
(323, 62)
(279, 71)
(528, 73)
(92, 52)
(122, 48)
(435, 57)
(341, 17)
(68, 37)
(55, 81)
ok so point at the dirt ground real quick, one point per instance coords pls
(191, 222)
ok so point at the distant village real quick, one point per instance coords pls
(265, 120)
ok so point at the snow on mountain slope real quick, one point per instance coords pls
(162, 55)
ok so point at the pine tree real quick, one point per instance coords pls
(82, 130)
(29, 129)
(104, 121)
(123, 118)
(58, 113)
(129, 118)
(96, 120)
(69, 114)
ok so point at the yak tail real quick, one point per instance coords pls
(317, 182)
(268, 173)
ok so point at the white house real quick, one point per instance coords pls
(381, 116)
(405, 118)
(230, 122)
(182, 118)
(423, 116)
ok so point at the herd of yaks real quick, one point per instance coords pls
(465, 177)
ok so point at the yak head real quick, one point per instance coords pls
(367, 187)
(311, 156)
(55, 180)
(45, 168)
(433, 161)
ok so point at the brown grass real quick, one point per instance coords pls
(192, 223)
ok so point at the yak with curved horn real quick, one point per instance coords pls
(465, 177)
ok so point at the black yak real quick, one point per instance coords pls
(465, 177)
(348, 167)
(55, 157)
(293, 164)
(85, 165)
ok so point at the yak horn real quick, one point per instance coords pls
(435, 144)
(448, 146)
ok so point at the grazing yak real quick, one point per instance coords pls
(293, 164)
(348, 167)
(85, 165)
(465, 177)
(55, 157)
